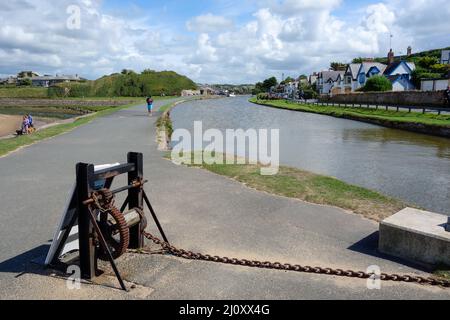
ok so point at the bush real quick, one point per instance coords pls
(378, 83)
(263, 96)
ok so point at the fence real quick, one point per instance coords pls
(387, 107)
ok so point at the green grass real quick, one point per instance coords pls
(11, 144)
(443, 272)
(23, 92)
(58, 112)
(362, 113)
(313, 188)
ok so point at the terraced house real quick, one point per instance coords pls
(357, 75)
(330, 82)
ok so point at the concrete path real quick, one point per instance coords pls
(199, 211)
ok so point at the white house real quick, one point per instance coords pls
(400, 74)
(445, 57)
(357, 74)
(291, 88)
(312, 79)
(329, 80)
(47, 81)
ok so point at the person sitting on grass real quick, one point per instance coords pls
(25, 125)
(30, 120)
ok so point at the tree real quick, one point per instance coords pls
(26, 82)
(427, 62)
(287, 80)
(269, 83)
(148, 71)
(378, 83)
(338, 66)
(127, 72)
(307, 90)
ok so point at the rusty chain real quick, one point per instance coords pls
(107, 199)
(189, 255)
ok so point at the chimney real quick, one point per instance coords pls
(391, 57)
(409, 51)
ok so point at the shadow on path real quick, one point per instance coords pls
(369, 246)
(31, 261)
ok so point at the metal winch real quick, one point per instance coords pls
(105, 232)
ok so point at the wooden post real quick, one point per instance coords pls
(85, 183)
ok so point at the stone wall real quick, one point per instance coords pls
(14, 102)
(407, 98)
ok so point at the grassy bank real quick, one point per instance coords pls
(58, 112)
(380, 116)
(11, 144)
(23, 92)
(313, 188)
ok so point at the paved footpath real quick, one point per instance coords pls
(200, 211)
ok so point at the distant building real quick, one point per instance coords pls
(445, 57)
(8, 81)
(291, 88)
(327, 80)
(27, 75)
(190, 93)
(48, 81)
(207, 91)
(312, 79)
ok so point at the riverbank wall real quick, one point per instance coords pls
(435, 130)
(404, 98)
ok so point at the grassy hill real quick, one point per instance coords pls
(127, 84)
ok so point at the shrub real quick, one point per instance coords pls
(263, 96)
(378, 83)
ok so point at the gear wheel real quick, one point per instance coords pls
(116, 233)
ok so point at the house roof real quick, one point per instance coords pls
(353, 68)
(331, 75)
(53, 78)
(391, 68)
(369, 65)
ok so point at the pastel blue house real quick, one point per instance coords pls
(400, 74)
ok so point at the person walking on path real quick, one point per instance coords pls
(150, 106)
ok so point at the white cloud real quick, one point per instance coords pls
(209, 23)
(279, 36)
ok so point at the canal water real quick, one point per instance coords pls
(409, 166)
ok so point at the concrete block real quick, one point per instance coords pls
(417, 236)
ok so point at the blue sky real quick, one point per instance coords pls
(215, 41)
